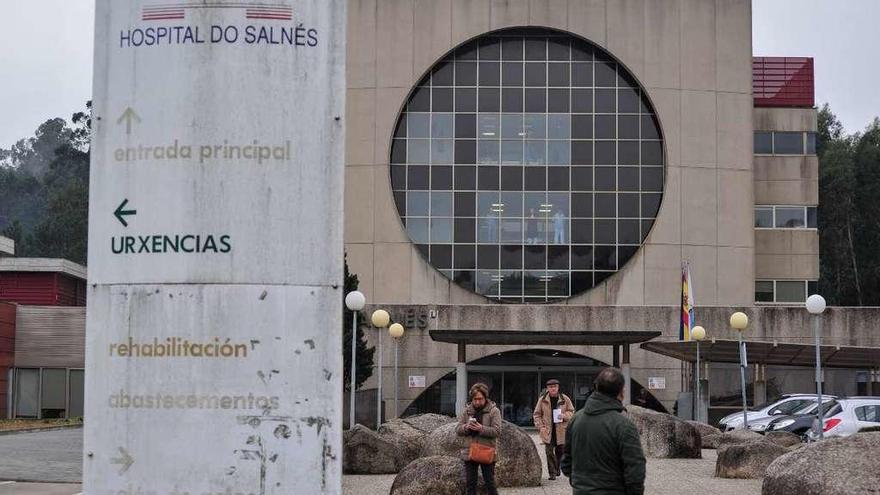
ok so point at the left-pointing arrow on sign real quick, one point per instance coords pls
(121, 212)
(125, 461)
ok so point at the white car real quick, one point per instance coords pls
(786, 405)
(851, 415)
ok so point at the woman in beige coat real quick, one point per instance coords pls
(480, 421)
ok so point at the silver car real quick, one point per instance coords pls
(786, 405)
(763, 424)
(849, 416)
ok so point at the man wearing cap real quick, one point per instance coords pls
(552, 414)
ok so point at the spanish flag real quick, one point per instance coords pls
(687, 303)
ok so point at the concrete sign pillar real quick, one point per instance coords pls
(215, 249)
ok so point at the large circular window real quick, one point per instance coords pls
(527, 166)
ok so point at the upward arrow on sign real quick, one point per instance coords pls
(128, 115)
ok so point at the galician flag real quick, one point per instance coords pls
(687, 303)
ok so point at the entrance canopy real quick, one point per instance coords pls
(517, 337)
(770, 353)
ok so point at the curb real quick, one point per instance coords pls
(37, 430)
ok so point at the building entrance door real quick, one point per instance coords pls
(520, 387)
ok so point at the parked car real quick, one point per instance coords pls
(802, 421)
(785, 405)
(849, 416)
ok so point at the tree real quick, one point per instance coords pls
(364, 355)
(839, 267)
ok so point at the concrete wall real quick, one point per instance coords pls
(692, 56)
(786, 180)
(419, 355)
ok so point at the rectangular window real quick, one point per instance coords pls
(783, 291)
(763, 217)
(790, 217)
(812, 217)
(811, 143)
(788, 143)
(788, 291)
(764, 291)
(27, 393)
(763, 142)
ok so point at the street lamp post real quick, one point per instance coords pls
(355, 302)
(396, 331)
(380, 320)
(739, 321)
(816, 306)
(698, 334)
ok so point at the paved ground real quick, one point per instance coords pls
(665, 477)
(14, 488)
(56, 456)
(47, 456)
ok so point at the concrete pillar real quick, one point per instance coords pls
(703, 400)
(759, 388)
(461, 379)
(874, 383)
(627, 375)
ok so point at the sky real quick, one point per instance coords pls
(46, 56)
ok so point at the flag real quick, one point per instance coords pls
(687, 303)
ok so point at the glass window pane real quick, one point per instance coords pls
(790, 291)
(763, 142)
(628, 126)
(606, 127)
(559, 224)
(536, 74)
(512, 74)
(606, 75)
(489, 99)
(535, 152)
(441, 230)
(488, 126)
(27, 389)
(465, 153)
(441, 125)
(511, 233)
(418, 125)
(417, 177)
(466, 177)
(535, 179)
(559, 75)
(558, 127)
(465, 73)
(512, 100)
(441, 178)
(442, 100)
(558, 204)
(764, 218)
(582, 126)
(465, 204)
(511, 204)
(535, 126)
(488, 283)
(790, 218)
(417, 151)
(441, 151)
(511, 126)
(417, 204)
(441, 204)
(811, 143)
(512, 49)
(536, 100)
(812, 220)
(488, 152)
(558, 100)
(558, 179)
(487, 230)
(76, 393)
(788, 143)
(511, 152)
(558, 153)
(417, 228)
(466, 125)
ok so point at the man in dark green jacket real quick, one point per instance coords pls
(603, 452)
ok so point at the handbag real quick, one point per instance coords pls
(481, 453)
